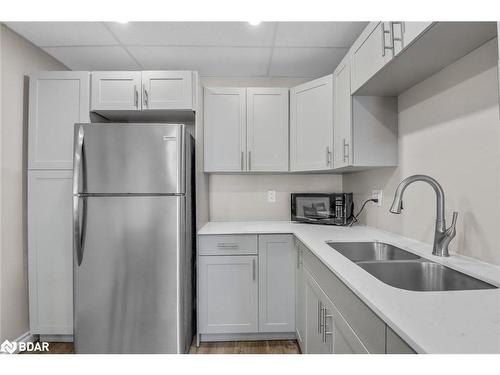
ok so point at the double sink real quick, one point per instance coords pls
(402, 269)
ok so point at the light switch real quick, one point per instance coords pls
(271, 196)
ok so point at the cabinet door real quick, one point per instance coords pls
(371, 52)
(311, 125)
(300, 301)
(50, 257)
(167, 90)
(277, 260)
(267, 129)
(225, 129)
(228, 296)
(314, 333)
(342, 129)
(116, 91)
(57, 101)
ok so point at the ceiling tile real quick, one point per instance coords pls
(318, 34)
(94, 58)
(194, 33)
(209, 61)
(305, 62)
(49, 34)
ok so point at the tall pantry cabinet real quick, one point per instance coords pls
(57, 100)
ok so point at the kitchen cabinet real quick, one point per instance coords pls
(371, 51)
(311, 125)
(300, 302)
(365, 127)
(167, 90)
(57, 100)
(50, 252)
(396, 345)
(267, 129)
(142, 91)
(277, 260)
(225, 129)
(246, 129)
(228, 294)
(116, 91)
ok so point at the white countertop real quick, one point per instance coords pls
(431, 322)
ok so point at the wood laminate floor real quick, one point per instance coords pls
(223, 347)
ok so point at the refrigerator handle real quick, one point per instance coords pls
(79, 172)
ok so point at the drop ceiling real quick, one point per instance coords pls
(215, 49)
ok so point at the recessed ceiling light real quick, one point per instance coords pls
(254, 23)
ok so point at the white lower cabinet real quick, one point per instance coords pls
(300, 295)
(50, 252)
(228, 295)
(277, 259)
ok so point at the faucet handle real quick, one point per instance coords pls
(453, 221)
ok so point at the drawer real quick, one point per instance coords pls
(366, 324)
(239, 244)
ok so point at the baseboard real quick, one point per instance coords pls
(246, 336)
(56, 338)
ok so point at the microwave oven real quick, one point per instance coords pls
(322, 208)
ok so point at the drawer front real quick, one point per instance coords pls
(366, 324)
(242, 244)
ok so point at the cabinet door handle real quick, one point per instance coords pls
(254, 271)
(146, 95)
(227, 245)
(328, 155)
(322, 312)
(136, 97)
(319, 316)
(346, 151)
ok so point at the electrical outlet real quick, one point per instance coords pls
(377, 194)
(271, 196)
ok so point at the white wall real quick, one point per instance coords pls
(449, 128)
(244, 197)
(18, 58)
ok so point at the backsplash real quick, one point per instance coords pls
(244, 197)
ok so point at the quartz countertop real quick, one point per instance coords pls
(465, 321)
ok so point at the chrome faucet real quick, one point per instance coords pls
(442, 235)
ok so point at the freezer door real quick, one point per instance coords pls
(129, 286)
(113, 158)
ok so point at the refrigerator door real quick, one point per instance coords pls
(113, 158)
(129, 285)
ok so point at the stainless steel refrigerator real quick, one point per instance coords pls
(133, 222)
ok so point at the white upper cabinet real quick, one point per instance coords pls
(342, 131)
(311, 125)
(246, 129)
(371, 51)
(116, 91)
(58, 100)
(277, 260)
(225, 129)
(267, 129)
(167, 90)
(136, 91)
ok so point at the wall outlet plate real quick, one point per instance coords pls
(377, 194)
(271, 196)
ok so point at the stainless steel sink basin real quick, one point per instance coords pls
(370, 251)
(422, 276)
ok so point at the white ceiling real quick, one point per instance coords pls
(223, 49)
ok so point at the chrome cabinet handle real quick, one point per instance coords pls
(227, 245)
(136, 97)
(384, 31)
(146, 95)
(322, 319)
(319, 317)
(346, 151)
(328, 156)
(253, 269)
(249, 160)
